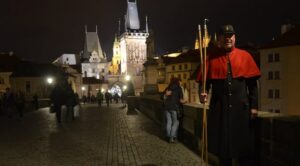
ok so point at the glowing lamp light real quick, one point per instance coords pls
(83, 88)
(49, 80)
(124, 87)
(127, 77)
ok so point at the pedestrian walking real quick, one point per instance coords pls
(99, 98)
(107, 98)
(9, 102)
(124, 98)
(35, 101)
(20, 103)
(58, 99)
(70, 102)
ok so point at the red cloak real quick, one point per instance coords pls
(242, 65)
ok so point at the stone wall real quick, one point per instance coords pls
(277, 136)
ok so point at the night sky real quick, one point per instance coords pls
(41, 31)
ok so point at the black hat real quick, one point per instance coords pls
(226, 29)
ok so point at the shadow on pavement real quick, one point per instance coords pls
(132, 112)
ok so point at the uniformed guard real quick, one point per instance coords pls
(232, 76)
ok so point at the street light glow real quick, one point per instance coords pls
(124, 87)
(127, 77)
(83, 88)
(49, 80)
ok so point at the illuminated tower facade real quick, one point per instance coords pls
(115, 67)
(94, 62)
(132, 42)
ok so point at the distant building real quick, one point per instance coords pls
(115, 66)
(7, 64)
(182, 67)
(129, 55)
(130, 48)
(280, 78)
(94, 62)
(68, 59)
(32, 79)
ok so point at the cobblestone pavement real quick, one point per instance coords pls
(105, 136)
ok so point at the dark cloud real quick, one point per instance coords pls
(43, 30)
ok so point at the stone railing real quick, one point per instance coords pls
(277, 136)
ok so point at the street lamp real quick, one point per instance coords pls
(124, 87)
(127, 77)
(82, 90)
(129, 85)
(49, 80)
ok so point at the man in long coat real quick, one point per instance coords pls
(232, 76)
